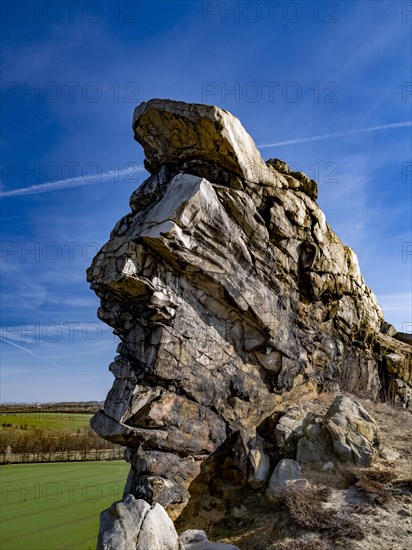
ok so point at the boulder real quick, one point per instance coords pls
(120, 524)
(289, 430)
(158, 532)
(347, 433)
(132, 524)
(196, 132)
(314, 447)
(251, 458)
(193, 539)
(354, 433)
(287, 472)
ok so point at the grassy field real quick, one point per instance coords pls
(50, 420)
(56, 506)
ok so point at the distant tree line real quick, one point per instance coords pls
(88, 407)
(40, 440)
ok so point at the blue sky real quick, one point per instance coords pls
(291, 71)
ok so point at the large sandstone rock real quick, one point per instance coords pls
(232, 298)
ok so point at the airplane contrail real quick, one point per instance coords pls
(31, 353)
(70, 182)
(338, 134)
(107, 176)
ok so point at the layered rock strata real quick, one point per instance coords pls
(232, 298)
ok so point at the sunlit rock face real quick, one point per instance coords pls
(231, 296)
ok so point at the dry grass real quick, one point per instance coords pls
(306, 520)
(304, 505)
(305, 508)
(371, 482)
(301, 544)
(375, 491)
(352, 474)
(404, 484)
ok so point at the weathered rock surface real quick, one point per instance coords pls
(404, 337)
(233, 299)
(157, 531)
(347, 433)
(132, 524)
(287, 472)
(395, 362)
(314, 447)
(354, 433)
(194, 539)
(289, 430)
(193, 133)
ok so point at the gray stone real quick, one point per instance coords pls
(313, 448)
(197, 540)
(133, 524)
(120, 524)
(328, 466)
(347, 433)
(158, 531)
(289, 430)
(354, 433)
(287, 472)
(251, 459)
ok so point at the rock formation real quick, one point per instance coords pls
(233, 299)
(133, 524)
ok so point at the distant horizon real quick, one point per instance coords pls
(49, 402)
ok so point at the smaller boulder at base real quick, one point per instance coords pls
(193, 539)
(287, 472)
(354, 433)
(120, 524)
(132, 524)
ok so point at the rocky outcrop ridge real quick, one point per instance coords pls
(233, 299)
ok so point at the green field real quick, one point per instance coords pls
(49, 420)
(56, 506)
